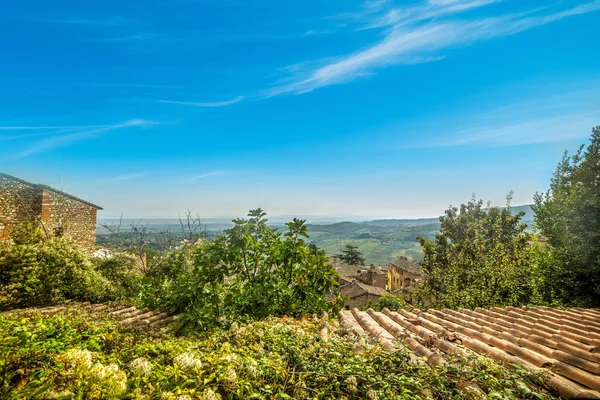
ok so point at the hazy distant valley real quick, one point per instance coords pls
(381, 241)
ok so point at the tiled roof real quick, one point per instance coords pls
(374, 290)
(345, 279)
(346, 269)
(128, 316)
(408, 265)
(355, 289)
(565, 344)
(13, 178)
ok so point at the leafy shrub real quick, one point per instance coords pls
(28, 232)
(122, 272)
(391, 301)
(48, 272)
(160, 286)
(251, 272)
(173, 262)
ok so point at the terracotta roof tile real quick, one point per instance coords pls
(563, 343)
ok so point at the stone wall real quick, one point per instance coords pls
(19, 201)
(61, 214)
(67, 217)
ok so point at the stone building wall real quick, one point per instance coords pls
(19, 201)
(64, 216)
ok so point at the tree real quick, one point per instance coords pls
(351, 255)
(568, 216)
(480, 258)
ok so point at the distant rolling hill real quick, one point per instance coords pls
(383, 241)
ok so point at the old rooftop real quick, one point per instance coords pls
(40, 186)
(562, 344)
(356, 288)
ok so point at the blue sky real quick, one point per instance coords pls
(316, 107)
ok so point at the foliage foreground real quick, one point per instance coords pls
(76, 355)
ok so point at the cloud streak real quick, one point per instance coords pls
(417, 35)
(543, 130)
(207, 175)
(204, 104)
(79, 133)
(555, 118)
(123, 178)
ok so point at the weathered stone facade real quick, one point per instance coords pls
(60, 213)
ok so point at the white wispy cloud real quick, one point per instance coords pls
(75, 134)
(205, 104)
(208, 175)
(420, 34)
(553, 118)
(546, 129)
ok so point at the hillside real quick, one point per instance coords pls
(381, 241)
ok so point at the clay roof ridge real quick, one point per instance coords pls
(370, 289)
(578, 367)
(537, 359)
(584, 353)
(97, 207)
(567, 326)
(565, 387)
(421, 350)
(572, 313)
(564, 316)
(539, 355)
(576, 334)
(37, 185)
(376, 331)
(540, 315)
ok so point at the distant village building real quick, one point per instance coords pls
(371, 276)
(361, 284)
(403, 273)
(60, 213)
(359, 294)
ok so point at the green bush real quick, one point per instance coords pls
(251, 272)
(159, 287)
(28, 232)
(390, 301)
(172, 263)
(123, 274)
(48, 272)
